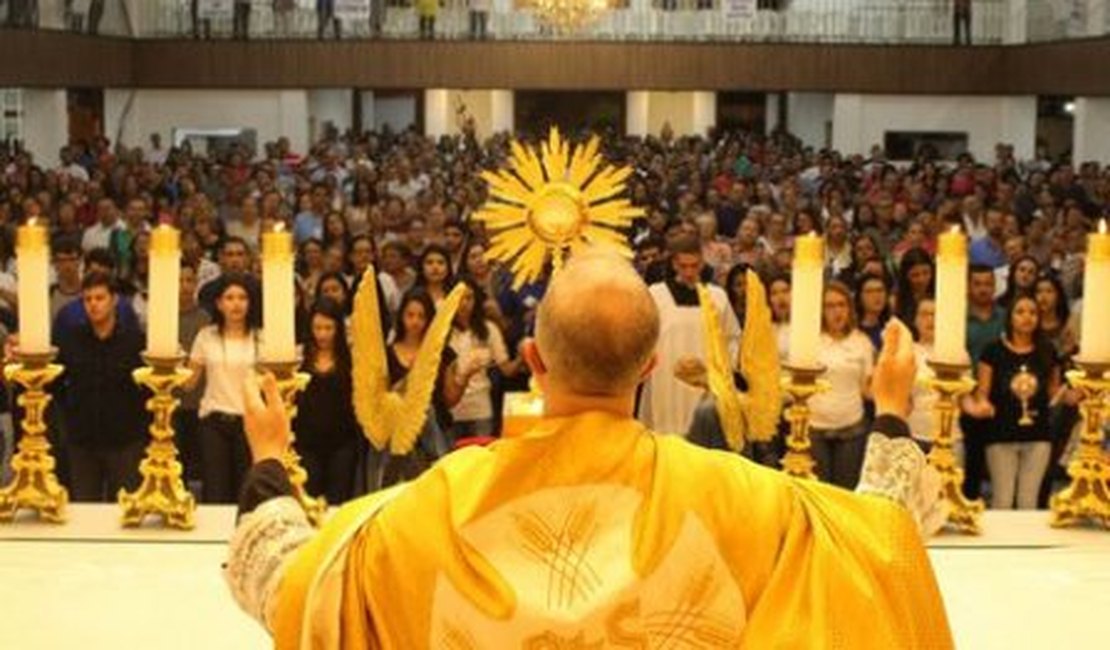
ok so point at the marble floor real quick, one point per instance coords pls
(90, 584)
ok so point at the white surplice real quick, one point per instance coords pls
(667, 404)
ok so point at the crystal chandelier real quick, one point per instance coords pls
(569, 16)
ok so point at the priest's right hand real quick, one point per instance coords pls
(895, 371)
(265, 420)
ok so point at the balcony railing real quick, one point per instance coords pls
(808, 21)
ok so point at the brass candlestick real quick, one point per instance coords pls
(290, 382)
(1087, 497)
(162, 491)
(34, 485)
(802, 384)
(951, 382)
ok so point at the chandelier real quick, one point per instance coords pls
(569, 16)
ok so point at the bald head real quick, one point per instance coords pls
(597, 326)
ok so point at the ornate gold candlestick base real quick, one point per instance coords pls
(1087, 497)
(34, 485)
(162, 491)
(290, 382)
(951, 382)
(802, 384)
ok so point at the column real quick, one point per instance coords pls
(1091, 134)
(848, 124)
(705, 111)
(437, 112)
(369, 114)
(45, 124)
(771, 113)
(502, 111)
(637, 103)
(808, 116)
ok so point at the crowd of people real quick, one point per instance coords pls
(716, 207)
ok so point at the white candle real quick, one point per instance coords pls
(806, 300)
(165, 283)
(278, 310)
(1095, 344)
(951, 326)
(33, 252)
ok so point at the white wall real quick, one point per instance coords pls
(398, 113)
(859, 121)
(329, 105)
(1092, 130)
(704, 112)
(45, 124)
(808, 115)
(271, 113)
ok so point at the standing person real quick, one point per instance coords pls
(922, 418)
(837, 415)
(202, 26)
(1055, 316)
(67, 273)
(415, 316)
(667, 404)
(284, 15)
(325, 17)
(916, 280)
(1018, 375)
(761, 560)
(96, 12)
(778, 296)
(479, 19)
(223, 355)
(985, 324)
(103, 407)
(328, 437)
(241, 21)
(434, 273)
(479, 346)
(234, 259)
(961, 22)
(427, 10)
(873, 307)
(192, 318)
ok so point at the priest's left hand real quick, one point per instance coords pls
(266, 422)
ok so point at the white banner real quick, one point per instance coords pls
(216, 9)
(739, 9)
(352, 10)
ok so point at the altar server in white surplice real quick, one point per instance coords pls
(667, 404)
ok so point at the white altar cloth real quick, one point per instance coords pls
(92, 585)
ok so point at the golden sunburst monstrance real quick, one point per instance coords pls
(552, 202)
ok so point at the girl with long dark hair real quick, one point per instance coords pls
(328, 436)
(434, 274)
(916, 282)
(224, 354)
(1018, 375)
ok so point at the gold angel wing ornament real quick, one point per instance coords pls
(392, 419)
(554, 201)
(753, 415)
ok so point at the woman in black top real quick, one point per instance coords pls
(327, 434)
(413, 319)
(1018, 377)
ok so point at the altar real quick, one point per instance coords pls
(91, 584)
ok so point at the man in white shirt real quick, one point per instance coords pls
(667, 404)
(69, 166)
(156, 155)
(99, 235)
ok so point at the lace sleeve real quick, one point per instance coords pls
(263, 541)
(897, 469)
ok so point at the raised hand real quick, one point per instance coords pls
(895, 371)
(266, 422)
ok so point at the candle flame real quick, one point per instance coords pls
(955, 229)
(279, 226)
(1102, 226)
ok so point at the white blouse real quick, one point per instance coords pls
(849, 362)
(227, 363)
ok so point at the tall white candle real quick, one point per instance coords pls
(165, 282)
(32, 254)
(1095, 344)
(806, 300)
(951, 326)
(278, 310)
